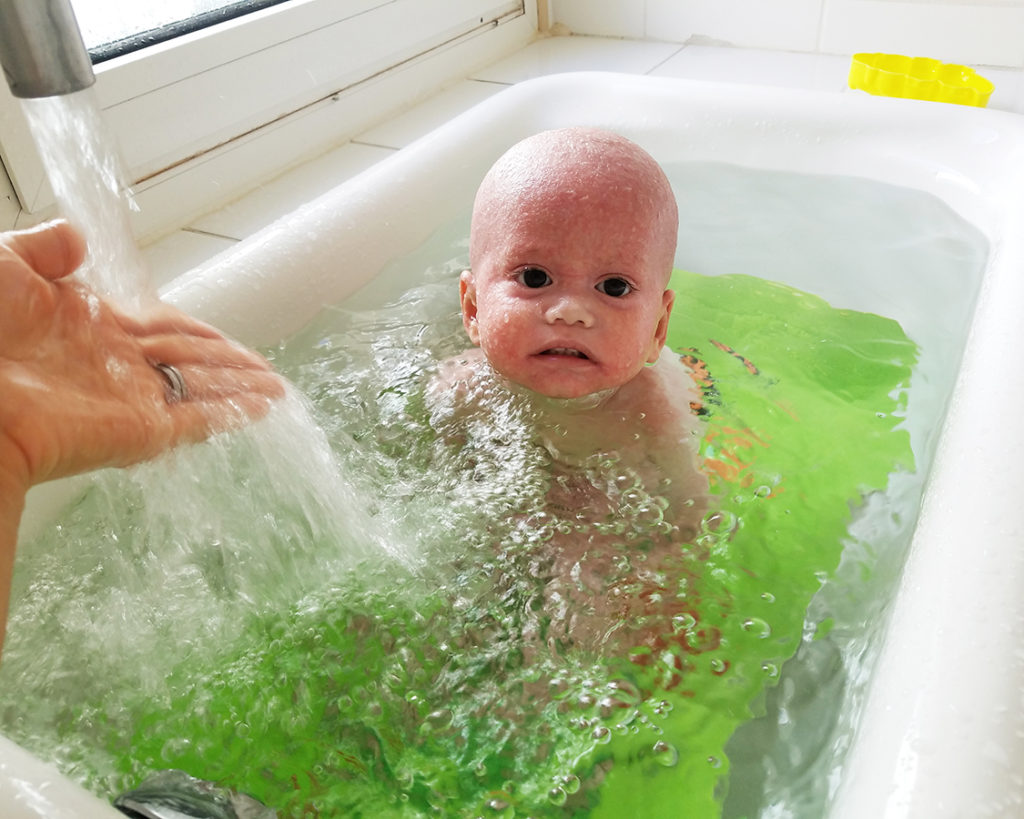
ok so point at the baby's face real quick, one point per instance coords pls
(568, 298)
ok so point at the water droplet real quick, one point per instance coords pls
(632, 496)
(602, 735)
(683, 622)
(610, 706)
(499, 806)
(557, 796)
(174, 748)
(665, 754)
(757, 627)
(649, 514)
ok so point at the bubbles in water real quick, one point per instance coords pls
(684, 622)
(665, 754)
(757, 627)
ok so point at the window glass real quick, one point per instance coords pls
(112, 29)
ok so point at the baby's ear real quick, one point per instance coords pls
(467, 300)
(668, 299)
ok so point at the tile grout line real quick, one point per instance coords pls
(210, 233)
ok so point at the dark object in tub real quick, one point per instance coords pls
(176, 795)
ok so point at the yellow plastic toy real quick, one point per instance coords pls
(919, 78)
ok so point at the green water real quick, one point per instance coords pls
(372, 622)
(402, 691)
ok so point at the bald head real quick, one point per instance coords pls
(570, 173)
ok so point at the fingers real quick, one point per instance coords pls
(200, 416)
(223, 385)
(211, 366)
(182, 350)
(211, 384)
(52, 249)
(165, 319)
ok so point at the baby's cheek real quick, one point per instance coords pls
(504, 327)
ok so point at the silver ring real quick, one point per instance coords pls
(177, 390)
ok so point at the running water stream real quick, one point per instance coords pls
(90, 185)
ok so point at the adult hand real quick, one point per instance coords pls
(78, 385)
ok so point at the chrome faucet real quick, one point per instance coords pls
(41, 48)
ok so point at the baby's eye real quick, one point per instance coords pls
(534, 277)
(615, 287)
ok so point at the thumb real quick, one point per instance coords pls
(52, 249)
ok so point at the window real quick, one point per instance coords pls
(114, 30)
(178, 103)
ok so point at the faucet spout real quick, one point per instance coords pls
(41, 48)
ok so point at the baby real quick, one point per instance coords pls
(572, 243)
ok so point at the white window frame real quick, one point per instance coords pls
(175, 104)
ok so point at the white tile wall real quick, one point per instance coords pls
(400, 130)
(817, 72)
(608, 18)
(980, 32)
(953, 32)
(288, 191)
(557, 54)
(788, 25)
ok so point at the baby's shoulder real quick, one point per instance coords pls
(459, 368)
(662, 395)
(456, 378)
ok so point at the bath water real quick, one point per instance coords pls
(257, 633)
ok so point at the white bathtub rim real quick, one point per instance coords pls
(33, 789)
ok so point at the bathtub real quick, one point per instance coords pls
(942, 731)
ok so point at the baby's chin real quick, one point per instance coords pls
(567, 397)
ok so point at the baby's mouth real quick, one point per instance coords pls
(568, 351)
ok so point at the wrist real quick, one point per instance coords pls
(14, 485)
(14, 480)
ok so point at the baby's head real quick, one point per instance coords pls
(571, 247)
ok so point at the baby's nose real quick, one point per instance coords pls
(570, 310)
